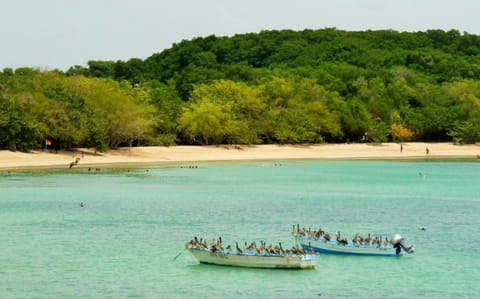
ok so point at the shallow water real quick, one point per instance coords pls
(123, 242)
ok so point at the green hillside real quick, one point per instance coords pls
(309, 86)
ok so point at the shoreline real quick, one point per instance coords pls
(162, 155)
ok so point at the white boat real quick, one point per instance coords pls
(321, 245)
(254, 260)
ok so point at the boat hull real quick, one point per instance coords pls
(333, 247)
(307, 261)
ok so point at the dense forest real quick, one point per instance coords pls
(309, 86)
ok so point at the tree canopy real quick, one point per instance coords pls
(286, 86)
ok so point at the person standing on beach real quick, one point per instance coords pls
(427, 151)
(401, 147)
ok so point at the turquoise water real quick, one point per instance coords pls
(122, 244)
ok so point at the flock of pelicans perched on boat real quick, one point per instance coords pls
(303, 255)
(356, 240)
(263, 249)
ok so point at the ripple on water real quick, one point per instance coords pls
(123, 241)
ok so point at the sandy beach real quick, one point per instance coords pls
(179, 154)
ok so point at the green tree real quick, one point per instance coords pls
(206, 122)
(243, 103)
(169, 107)
(18, 131)
(465, 132)
(116, 110)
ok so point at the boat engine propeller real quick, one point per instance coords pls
(399, 244)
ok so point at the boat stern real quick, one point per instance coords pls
(309, 261)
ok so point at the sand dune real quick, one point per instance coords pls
(159, 155)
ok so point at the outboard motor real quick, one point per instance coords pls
(397, 242)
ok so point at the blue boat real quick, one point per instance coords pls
(394, 247)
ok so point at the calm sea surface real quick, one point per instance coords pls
(122, 243)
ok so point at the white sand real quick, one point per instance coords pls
(158, 155)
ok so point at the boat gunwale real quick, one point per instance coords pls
(301, 256)
(304, 261)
